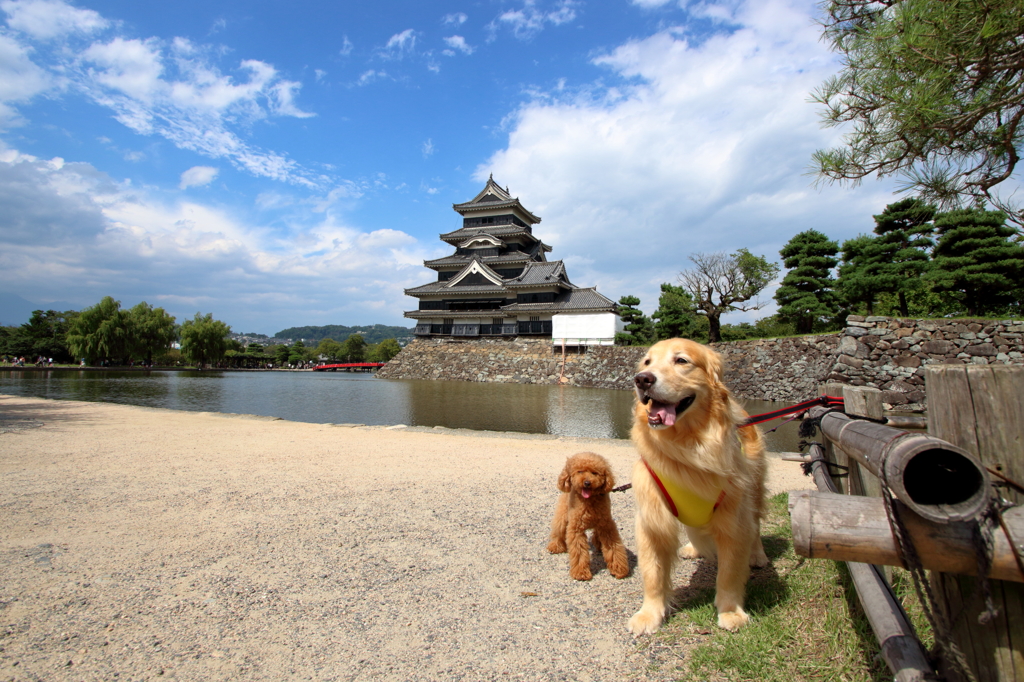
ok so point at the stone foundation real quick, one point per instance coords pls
(881, 352)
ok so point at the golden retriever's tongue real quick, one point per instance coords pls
(661, 413)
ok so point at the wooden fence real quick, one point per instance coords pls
(949, 503)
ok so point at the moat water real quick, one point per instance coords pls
(350, 398)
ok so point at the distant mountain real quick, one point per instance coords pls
(15, 311)
(373, 334)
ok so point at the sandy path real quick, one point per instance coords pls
(140, 543)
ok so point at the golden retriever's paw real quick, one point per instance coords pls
(556, 547)
(758, 558)
(733, 620)
(646, 621)
(689, 551)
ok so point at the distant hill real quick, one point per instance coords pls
(15, 310)
(373, 334)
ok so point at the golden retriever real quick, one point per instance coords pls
(691, 452)
(585, 483)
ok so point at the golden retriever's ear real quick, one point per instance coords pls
(713, 366)
(563, 479)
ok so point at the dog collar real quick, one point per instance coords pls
(685, 505)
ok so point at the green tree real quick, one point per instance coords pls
(976, 261)
(806, 295)
(330, 349)
(151, 331)
(45, 334)
(281, 354)
(204, 339)
(639, 330)
(676, 316)
(720, 283)
(904, 232)
(354, 348)
(297, 353)
(934, 92)
(859, 282)
(100, 333)
(383, 351)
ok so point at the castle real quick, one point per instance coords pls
(499, 282)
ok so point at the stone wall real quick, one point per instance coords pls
(521, 361)
(882, 352)
(890, 353)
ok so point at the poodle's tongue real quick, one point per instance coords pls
(585, 493)
(661, 413)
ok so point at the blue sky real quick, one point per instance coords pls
(282, 164)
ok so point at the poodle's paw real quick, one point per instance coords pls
(580, 573)
(733, 620)
(646, 621)
(557, 547)
(689, 552)
(619, 565)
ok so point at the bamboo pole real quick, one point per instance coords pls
(937, 480)
(897, 640)
(855, 528)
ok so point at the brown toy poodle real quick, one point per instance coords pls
(585, 483)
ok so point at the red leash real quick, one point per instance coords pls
(826, 400)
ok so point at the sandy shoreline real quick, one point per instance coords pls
(154, 543)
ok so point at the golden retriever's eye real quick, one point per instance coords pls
(647, 361)
(681, 361)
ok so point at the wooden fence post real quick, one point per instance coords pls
(981, 409)
(833, 453)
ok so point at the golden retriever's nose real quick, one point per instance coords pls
(644, 380)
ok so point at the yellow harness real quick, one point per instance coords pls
(690, 508)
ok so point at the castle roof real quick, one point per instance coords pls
(492, 197)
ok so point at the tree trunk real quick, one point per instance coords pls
(904, 309)
(714, 328)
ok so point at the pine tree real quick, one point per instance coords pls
(806, 294)
(676, 314)
(904, 232)
(858, 281)
(639, 328)
(976, 260)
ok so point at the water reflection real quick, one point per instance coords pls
(362, 399)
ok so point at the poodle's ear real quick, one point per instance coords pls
(609, 481)
(564, 483)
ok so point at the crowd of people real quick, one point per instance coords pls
(12, 361)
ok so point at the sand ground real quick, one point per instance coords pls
(140, 543)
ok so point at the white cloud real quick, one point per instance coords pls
(320, 74)
(47, 19)
(400, 45)
(68, 228)
(346, 46)
(698, 148)
(531, 19)
(20, 79)
(427, 148)
(371, 76)
(173, 89)
(198, 176)
(455, 19)
(458, 43)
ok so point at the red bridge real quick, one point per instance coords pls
(348, 365)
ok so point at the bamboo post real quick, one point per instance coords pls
(980, 409)
(833, 453)
(862, 401)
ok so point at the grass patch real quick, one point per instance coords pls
(806, 622)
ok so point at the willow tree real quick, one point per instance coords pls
(932, 93)
(204, 339)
